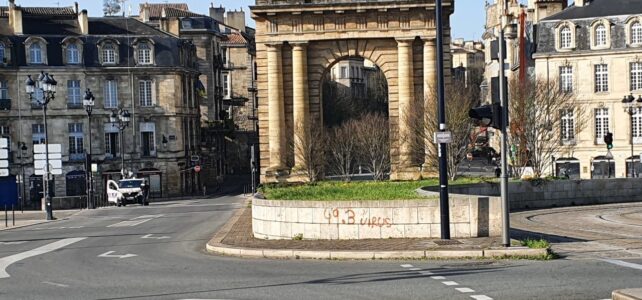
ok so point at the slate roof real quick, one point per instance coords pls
(599, 8)
(121, 26)
(48, 11)
(156, 9)
(179, 13)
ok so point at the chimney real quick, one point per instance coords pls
(15, 17)
(83, 21)
(76, 7)
(144, 13)
(580, 3)
(217, 13)
(236, 19)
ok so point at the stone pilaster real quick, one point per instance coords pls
(276, 110)
(300, 103)
(406, 169)
(430, 94)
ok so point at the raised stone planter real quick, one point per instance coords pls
(470, 216)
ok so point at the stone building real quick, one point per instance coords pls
(299, 41)
(467, 59)
(594, 50)
(127, 65)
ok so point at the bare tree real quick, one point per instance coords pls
(342, 149)
(459, 100)
(372, 135)
(111, 7)
(309, 150)
(545, 121)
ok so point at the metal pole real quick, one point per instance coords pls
(504, 145)
(444, 209)
(632, 161)
(48, 207)
(88, 167)
(122, 152)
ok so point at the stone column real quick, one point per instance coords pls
(430, 94)
(276, 109)
(406, 101)
(301, 103)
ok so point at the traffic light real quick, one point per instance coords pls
(488, 115)
(608, 140)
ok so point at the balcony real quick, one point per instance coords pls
(5, 104)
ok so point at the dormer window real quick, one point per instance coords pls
(73, 54)
(109, 54)
(565, 37)
(35, 53)
(636, 33)
(144, 53)
(600, 35)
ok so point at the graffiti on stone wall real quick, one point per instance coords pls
(348, 216)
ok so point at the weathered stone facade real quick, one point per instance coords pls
(298, 43)
(157, 87)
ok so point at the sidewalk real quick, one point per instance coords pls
(31, 217)
(236, 239)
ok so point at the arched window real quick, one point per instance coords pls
(109, 53)
(144, 53)
(2, 53)
(600, 35)
(35, 53)
(565, 37)
(636, 33)
(73, 55)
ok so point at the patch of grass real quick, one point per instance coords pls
(298, 237)
(536, 243)
(356, 190)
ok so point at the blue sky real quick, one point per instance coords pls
(467, 22)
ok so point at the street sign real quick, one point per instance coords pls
(53, 148)
(4, 164)
(4, 172)
(443, 137)
(197, 169)
(4, 143)
(4, 154)
(51, 171)
(609, 155)
(195, 158)
(53, 164)
(52, 156)
(94, 168)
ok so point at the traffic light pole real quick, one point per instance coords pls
(444, 210)
(504, 144)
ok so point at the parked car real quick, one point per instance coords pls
(127, 191)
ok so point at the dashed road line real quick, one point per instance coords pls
(55, 284)
(438, 277)
(446, 282)
(465, 290)
(406, 266)
(481, 297)
(623, 263)
(426, 273)
(414, 269)
(450, 283)
(13, 243)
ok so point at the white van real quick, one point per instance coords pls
(127, 191)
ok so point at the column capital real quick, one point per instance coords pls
(429, 40)
(274, 44)
(299, 45)
(405, 41)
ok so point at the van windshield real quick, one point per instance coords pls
(129, 184)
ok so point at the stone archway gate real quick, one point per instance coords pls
(298, 40)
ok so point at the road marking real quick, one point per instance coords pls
(12, 243)
(151, 236)
(51, 228)
(450, 283)
(55, 284)
(426, 273)
(415, 269)
(406, 266)
(623, 263)
(148, 217)
(129, 223)
(481, 297)
(465, 290)
(109, 254)
(7, 261)
(438, 277)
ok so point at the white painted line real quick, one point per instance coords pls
(450, 283)
(151, 236)
(623, 263)
(465, 290)
(481, 297)
(13, 243)
(415, 269)
(406, 266)
(5, 262)
(55, 284)
(438, 277)
(148, 217)
(426, 273)
(129, 223)
(109, 254)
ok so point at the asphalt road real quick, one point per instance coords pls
(157, 252)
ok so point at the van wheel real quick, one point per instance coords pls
(146, 203)
(118, 204)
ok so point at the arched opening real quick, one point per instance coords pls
(355, 99)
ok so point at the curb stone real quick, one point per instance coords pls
(627, 294)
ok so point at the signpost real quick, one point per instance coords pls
(40, 159)
(9, 187)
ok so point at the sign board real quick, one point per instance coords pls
(443, 137)
(4, 143)
(609, 155)
(4, 154)
(53, 148)
(197, 169)
(52, 156)
(4, 164)
(195, 158)
(53, 164)
(51, 171)
(9, 190)
(94, 168)
(4, 172)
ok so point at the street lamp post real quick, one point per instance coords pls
(120, 118)
(631, 107)
(23, 155)
(47, 84)
(88, 103)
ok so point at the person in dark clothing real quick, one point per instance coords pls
(145, 189)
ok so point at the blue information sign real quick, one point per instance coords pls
(8, 191)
